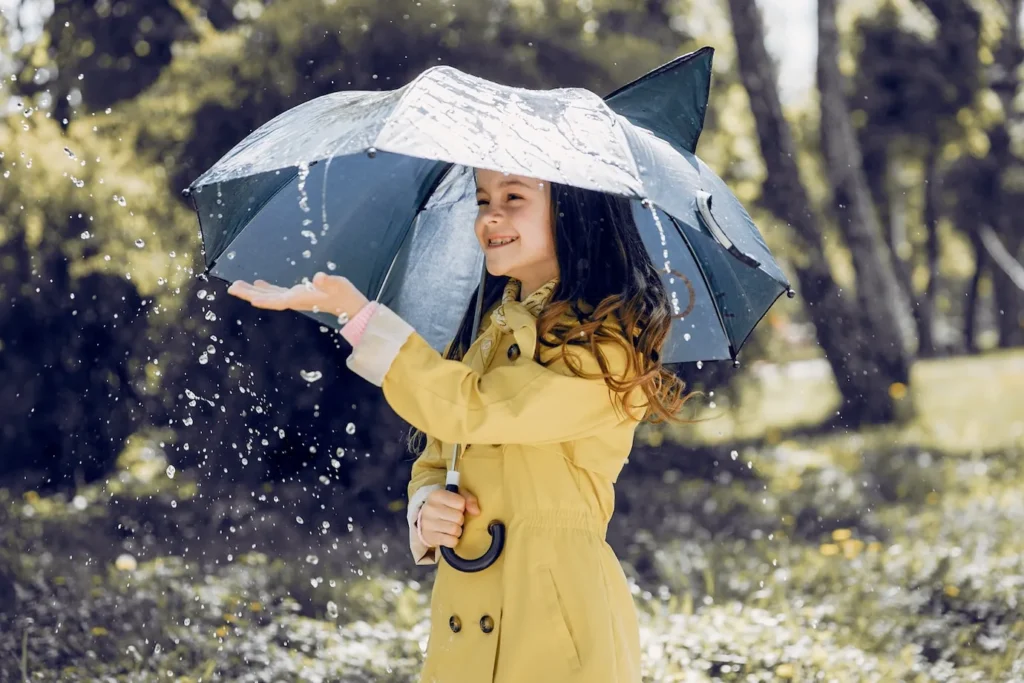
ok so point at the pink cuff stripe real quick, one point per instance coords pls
(353, 330)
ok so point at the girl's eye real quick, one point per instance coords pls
(513, 196)
(482, 202)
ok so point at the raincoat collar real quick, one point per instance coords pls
(513, 316)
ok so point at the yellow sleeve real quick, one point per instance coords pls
(523, 403)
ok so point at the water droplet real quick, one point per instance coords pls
(170, 471)
(187, 422)
(201, 294)
(324, 479)
(231, 255)
(140, 243)
(335, 463)
(86, 235)
(350, 428)
(734, 455)
(79, 502)
(312, 559)
(70, 154)
(332, 609)
(310, 375)
(331, 265)
(211, 316)
(299, 520)
(204, 359)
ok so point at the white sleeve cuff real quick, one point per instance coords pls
(381, 341)
(421, 553)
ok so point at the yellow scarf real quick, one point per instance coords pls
(533, 303)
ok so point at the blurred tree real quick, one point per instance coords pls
(866, 361)
(1003, 77)
(987, 190)
(882, 302)
(909, 89)
(106, 51)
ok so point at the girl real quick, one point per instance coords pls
(544, 403)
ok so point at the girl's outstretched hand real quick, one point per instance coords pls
(444, 514)
(324, 294)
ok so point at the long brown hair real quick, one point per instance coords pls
(608, 292)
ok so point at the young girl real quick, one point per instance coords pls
(544, 403)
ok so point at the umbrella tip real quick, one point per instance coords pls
(735, 363)
(187, 192)
(371, 152)
(790, 292)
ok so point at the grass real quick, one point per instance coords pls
(891, 554)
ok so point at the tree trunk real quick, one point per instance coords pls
(1009, 57)
(863, 368)
(971, 308)
(924, 311)
(880, 296)
(1009, 317)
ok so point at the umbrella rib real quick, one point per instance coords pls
(707, 282)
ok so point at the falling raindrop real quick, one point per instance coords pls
(86, 235)
(332, 609)
(331, 265)
(140, 243)
(170, 471)
(204, 359)
(350, 428)
(324, 479)
(211, 316)
(187, 421)
(299, 520)
(201, 294)
(312, 559)
(734, 455)
(335, 463)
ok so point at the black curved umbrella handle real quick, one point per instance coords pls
(497, 531)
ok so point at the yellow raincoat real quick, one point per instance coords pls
(542, 449)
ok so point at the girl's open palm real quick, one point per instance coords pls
(324, 294)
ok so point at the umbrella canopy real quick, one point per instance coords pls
(379, 187)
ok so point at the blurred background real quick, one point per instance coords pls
(193, 490)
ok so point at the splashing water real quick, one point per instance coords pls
(310, 375)
(303, 167)
(648, 204)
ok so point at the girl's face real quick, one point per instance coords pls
(514, 225)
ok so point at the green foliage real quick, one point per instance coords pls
(837, 556)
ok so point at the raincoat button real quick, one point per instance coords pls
(513, 352)
(486, 624)
(454, 623)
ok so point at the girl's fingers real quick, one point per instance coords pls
(443, 513)
(445, 540)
